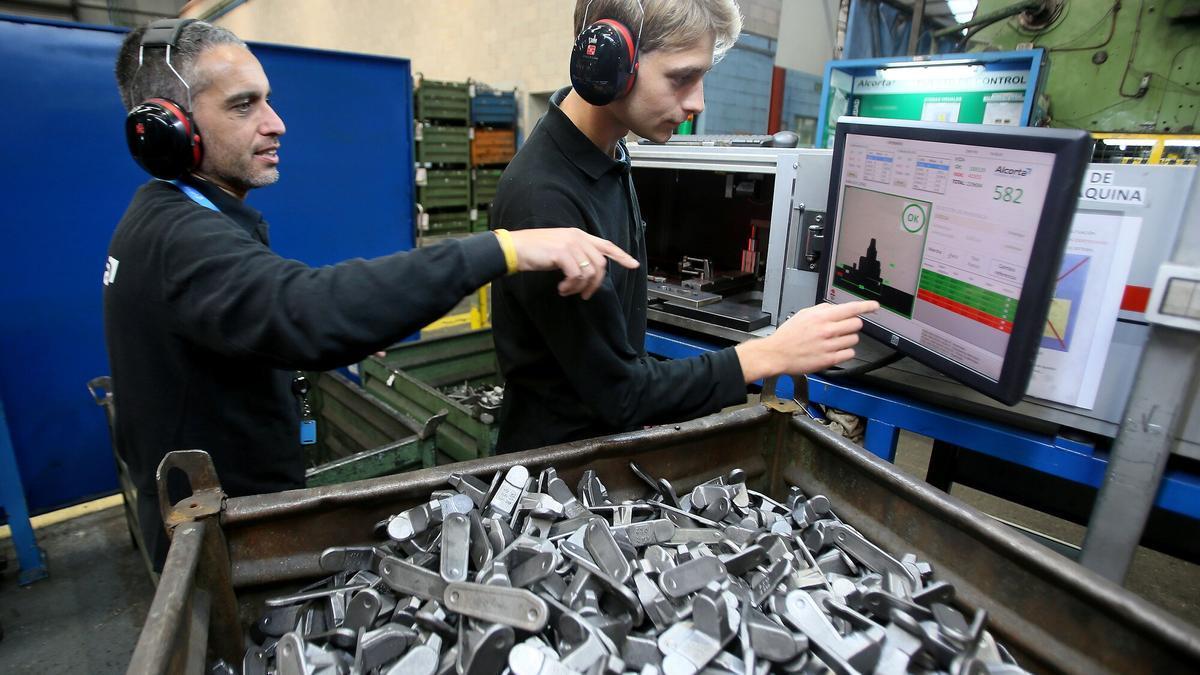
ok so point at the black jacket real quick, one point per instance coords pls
(205, 326)
(578, 368)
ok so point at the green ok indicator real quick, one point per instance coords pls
(913, 218)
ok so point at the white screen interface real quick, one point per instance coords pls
(941, 235)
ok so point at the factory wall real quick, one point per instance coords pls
(737, 91)
(505, 43)
(807, 35)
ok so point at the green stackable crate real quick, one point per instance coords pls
(483, 185)
(409, 376)
(359, 436)
(444, 188)
(447, 101)
(444, 224)
(436, 144)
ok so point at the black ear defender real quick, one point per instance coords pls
(604, 61)
(161, 134)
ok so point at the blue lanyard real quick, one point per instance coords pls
(194, 195)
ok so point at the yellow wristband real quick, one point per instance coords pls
(509, 250)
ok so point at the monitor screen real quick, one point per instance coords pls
(958, 232)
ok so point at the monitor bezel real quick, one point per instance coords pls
(1072, 150)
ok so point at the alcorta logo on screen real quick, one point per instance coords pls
(1013, 171)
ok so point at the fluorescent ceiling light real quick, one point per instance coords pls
(963, 10)
(931, 72)
(926, 63)
(1182, 143)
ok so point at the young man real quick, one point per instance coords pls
(577, 370)
(206, 326)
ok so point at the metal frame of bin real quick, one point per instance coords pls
(1053, 614)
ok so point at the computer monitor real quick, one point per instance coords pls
(958, 232)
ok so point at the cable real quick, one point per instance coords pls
(864, 368)
(1133, 52)
(1112, 29)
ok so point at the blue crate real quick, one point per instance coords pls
(494, 108)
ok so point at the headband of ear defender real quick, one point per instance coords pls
(161, 134)
(604, 61)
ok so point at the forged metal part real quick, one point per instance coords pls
(745, 560)
(290, 657)
(937, 591)
(724, 582)
(470, 486)
(686, 650)
(284, 600)
(422, 659)
(255, 662)
(857, 652)
(534, 569)
(383, 645)
(404, 577)
(508, 606)
(825, 533)
(362, 610)
(526, 659)
(480, 544)
(558, 489)
(483, 650)
(640, 651)
(350, 558)
(508, 494)
(591, 491)
(581, 643)
(658, 608)
(432, 618)
(276, 622)
(617, 589)
(690, 576)
(770, 640)
(882, 604)
(456, 547)
(599, 542)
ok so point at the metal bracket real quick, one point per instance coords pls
(207, 495)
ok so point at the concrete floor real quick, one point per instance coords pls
(86, 617)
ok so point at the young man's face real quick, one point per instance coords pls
(239, 129)
(669, 87)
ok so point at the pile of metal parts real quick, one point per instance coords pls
(525, 576)
(483, 400)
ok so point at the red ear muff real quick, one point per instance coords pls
(604, 62)
(620, 27)
(189, 126)
(160, 133)
(163, 138)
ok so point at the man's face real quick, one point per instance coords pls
(669, 87)
(239, 129)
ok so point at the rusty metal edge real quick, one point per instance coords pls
(158, 642)
(421, 482)
(1124, 607)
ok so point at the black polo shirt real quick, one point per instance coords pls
(205, 326)
(578, 368)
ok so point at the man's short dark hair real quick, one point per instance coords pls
(153, 78)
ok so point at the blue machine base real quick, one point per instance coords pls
(887, 414)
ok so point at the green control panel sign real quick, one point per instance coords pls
(931, 94)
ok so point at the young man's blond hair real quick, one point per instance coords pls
(668, 24)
